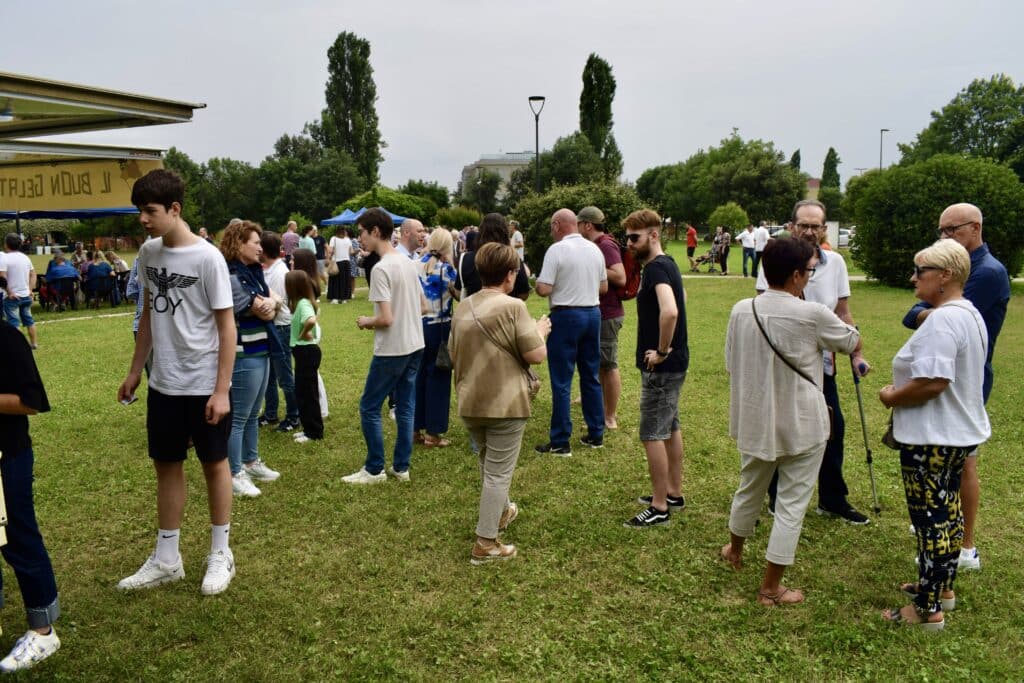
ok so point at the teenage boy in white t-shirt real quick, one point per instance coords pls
(188, 323)
(398, 304)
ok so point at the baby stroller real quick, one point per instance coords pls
(710, 258)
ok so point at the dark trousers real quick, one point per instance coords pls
(748, 254)
(433, 385)
(757, 261)
(307, 393)
(724, 259)
(831, 486)
(25, 551)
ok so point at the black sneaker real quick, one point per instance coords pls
(849, 514)
(287, 425)
(562, 451)
(677, 503)
(593, 442)
(652, 516)
(264, 421)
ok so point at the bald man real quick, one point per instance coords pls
(988, 288)
(574, 277)
(414, 236)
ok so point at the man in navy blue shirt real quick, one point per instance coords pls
(988, 288)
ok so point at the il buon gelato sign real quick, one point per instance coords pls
(101, 184)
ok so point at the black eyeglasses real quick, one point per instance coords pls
(949, 230)
(810, 226)
(918, 270)
(632, 236)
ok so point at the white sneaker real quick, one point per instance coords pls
(302, 438)
(220, 569)
(259, 471)
(30, 649)
(969, 559)
(400, 476)
(242, 485)
(152, 574)
(334, 301)
(391, 414)
(299, 435)
(364, 477)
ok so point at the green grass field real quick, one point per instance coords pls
(339, 583)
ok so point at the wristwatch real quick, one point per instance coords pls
(661, 354)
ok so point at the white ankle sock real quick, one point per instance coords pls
(219, 534)
(167, 545)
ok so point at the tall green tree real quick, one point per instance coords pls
(481, 192)
(794, 161)
(349, 122)
(985, 119)
(596, 114)
(571, 161)
(830, 171)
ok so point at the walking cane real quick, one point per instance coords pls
(867, 446)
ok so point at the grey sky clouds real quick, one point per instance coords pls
(453, 77)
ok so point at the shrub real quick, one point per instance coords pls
(897, 212)
(457, 217)
(534, 211)
(729, 215)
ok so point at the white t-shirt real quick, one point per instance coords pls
(396, 280)
(951, 343)
(746, 238)
(274, 275)
(760, 237)
(517, 238)
(342, 247)
(18, 269)
(574, 267)
(184, 286)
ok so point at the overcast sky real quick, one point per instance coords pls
(453, 77)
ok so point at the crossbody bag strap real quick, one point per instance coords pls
(974, 316)
(472, 309)
(777, 352)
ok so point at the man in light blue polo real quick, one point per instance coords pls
(574, 277)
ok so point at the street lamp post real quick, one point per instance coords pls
(536, 106)
(881, 134)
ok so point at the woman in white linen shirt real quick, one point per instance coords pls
(938, 418)
(777, 414)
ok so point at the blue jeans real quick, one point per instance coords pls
(387, 374)
(433, 385)
(748, 254)
(16, 309)
(25, 551)
(575, 340)
(281, 373)
(248, 384)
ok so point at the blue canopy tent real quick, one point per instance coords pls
(349, 217)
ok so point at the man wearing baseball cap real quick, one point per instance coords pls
(590, 220)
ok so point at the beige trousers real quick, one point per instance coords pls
(499, 440)
(798, 475)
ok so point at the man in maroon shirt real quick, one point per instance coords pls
(591, 225)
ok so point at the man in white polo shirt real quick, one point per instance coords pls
(574, 277)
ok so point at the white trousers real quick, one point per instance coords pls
(798, 475)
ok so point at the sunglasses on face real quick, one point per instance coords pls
(633, 236)
(920, 270)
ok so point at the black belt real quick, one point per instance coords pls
(566, 308)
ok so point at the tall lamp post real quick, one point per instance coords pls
(881, 134)
(536, 106)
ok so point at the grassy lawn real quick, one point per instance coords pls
(336, 582)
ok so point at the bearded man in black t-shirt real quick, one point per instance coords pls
(662, 357)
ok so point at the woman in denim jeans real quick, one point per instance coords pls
(254, 314)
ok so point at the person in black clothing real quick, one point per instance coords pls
(22, 394)
(493, 228)
(663, 357)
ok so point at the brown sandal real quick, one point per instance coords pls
(785, 596)
(436, 441)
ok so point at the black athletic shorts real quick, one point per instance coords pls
(172, 420)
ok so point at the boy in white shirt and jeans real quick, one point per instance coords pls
(188, 323)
